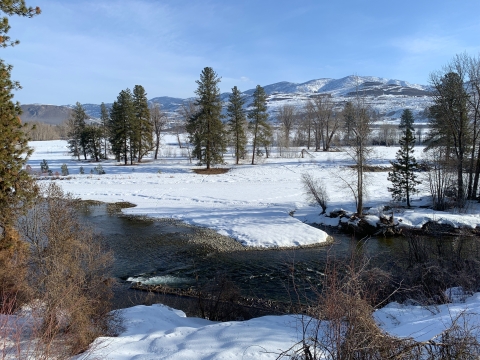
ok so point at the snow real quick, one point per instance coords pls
(253, 205)
(160, 332)
(250, 203)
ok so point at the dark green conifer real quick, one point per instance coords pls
(259, 125)
(403, 176)
(77, 137)
(142, 130)
(15, 183)
(237, 123)
(122, 120)
(205, 127)
(105, 120)
(93, 141)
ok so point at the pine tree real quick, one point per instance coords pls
(122, 120)
(403, 176)
(93, 141)
(105, 119)
(76, 122)
(15, 184)
(142, 129)
(17, 187)
(237, 123)
(205, 127)
(258, 116)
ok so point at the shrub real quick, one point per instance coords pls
(99, 170)
(315, 191)
(65, 170)
(69, 273)
(44, 166)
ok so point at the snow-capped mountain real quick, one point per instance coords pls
(388, 97)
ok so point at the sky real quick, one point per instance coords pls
(90, 50)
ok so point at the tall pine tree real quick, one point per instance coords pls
(122, 120)
(17, 187)
(77, 136)
(105, 120)
(205, 127)
(142, 130)
(237, 123)
(403, 176)
(258, 116)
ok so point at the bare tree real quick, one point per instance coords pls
(315, 190)
(357, 146)
(286, 116)
(387, 134)
(326, 122)
(38, 131)
(307, 120)
(186, 111)
(303, 136)
(159, 122)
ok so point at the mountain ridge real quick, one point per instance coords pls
(387, 96)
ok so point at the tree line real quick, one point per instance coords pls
(129, 130)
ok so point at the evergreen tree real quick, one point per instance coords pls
(105, 119)
(65, 170)
(237, 123)
(142, 130)
(17, 188)
(403, 176)
(77, 136)
(205, 127)
(122, 120)
(93, 141)
(259, 120)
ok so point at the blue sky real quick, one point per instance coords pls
(89, 50)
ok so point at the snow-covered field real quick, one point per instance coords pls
(251, 204)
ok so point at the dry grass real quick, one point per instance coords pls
(212, 171)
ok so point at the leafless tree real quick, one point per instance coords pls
(357, 147)
(315, 190)
(186, 111)
(326, 122)
(387, 134)
(287, 116)
(307, 116)
(159, 122)
(38, 131)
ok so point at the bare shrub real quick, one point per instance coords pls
(218, 300)
(340, 326)
(315, 190)
(69, 273)
(431, 265)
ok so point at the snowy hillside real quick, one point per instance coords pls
(388, 97)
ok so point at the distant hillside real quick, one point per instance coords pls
(49, 114)
(388, 97)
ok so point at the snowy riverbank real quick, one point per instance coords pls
(252, 204)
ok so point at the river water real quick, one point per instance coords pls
(158, 252)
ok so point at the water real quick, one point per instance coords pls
(158, 252)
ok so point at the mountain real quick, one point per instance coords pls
(388, 97)
(49, 114)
